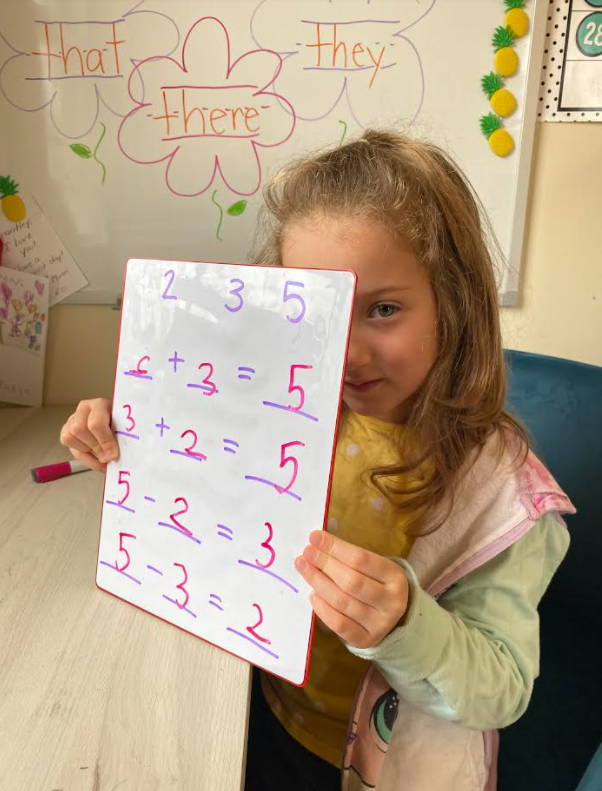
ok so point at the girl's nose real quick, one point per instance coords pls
(359, 354)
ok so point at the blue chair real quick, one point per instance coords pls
(560, 403)
(592, 779)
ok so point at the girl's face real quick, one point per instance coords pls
(393, 343)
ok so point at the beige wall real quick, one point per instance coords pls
(81, 352)
(561, 294)
(561, 291)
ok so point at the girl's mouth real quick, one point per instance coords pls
(362, 387)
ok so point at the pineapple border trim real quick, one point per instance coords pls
(504, 37)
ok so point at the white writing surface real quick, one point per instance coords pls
(150, 128)
(227, 394)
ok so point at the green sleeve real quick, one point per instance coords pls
(472, 656)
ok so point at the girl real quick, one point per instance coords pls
(444, 529)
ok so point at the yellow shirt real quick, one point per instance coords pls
(317, 714)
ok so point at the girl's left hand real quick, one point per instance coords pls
(358, 594)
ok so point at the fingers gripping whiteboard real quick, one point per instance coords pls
(227, 395)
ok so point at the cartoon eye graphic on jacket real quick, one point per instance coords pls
(384, 714)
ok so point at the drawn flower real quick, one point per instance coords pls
(4, 312)
(98, 55)
(207, 114)
(6, 291)
(28, 297)
(359, 55)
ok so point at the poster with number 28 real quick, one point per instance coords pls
(227, 396)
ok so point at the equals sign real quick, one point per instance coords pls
(216, 601)
(230, 442)
(225, 532)
(248, 371)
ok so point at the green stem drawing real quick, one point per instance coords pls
(104, 171)
(344, 132)
(221, 216)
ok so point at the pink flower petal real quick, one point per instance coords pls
(206, 52)
(241, 171)
(204, 117)
(258, 67)
(276, 120)
(191, 172)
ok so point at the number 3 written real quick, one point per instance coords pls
(266, 545)
(181, 586)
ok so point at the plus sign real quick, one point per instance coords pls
(175, 360)
(162, 426)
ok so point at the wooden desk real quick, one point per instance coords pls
(96, 695)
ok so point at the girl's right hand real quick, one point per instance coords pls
(88, 434)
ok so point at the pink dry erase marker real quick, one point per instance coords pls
(53, 471)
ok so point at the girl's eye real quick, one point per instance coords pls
(384, 311)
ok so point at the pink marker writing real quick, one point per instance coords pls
(53, 471)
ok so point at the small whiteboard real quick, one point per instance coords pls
(227, 395)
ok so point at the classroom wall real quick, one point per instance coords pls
(561, 291)
(560, 312)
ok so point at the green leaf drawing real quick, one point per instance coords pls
(221, 215)
(81, 150)
(237, 208)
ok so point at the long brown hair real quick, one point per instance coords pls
(417, 190)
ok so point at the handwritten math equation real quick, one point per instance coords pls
(226, 448)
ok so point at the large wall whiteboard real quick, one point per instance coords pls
(248, 88)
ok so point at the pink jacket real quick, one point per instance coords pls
(493, 509)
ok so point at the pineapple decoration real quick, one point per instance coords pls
(506, 59)
(503, 102)
(516, 18)
(12, 205)
(500, 140)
